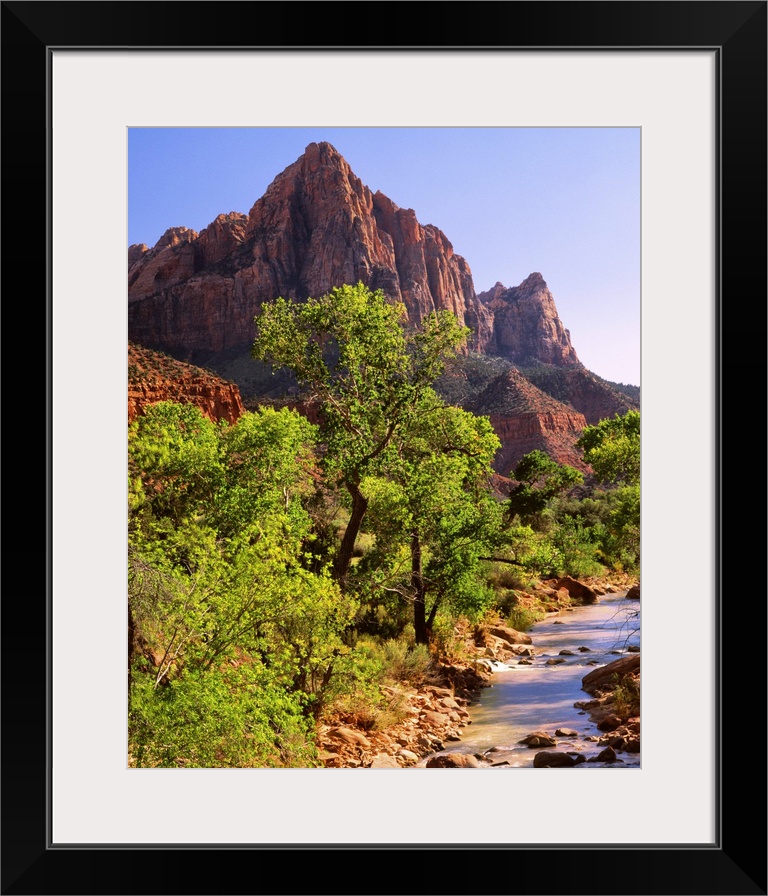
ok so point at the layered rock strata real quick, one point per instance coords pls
(527, 419)
(153, 377)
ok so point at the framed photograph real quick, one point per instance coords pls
(691, 79)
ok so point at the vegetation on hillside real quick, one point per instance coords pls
(281, 571)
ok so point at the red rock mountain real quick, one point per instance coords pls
(316, 227)
(195, 296)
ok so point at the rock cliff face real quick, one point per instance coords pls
(526, 328)
(153, 377)
(526, 419)
(316, 227)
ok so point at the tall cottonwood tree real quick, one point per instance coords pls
(353, 352)
(435, 506)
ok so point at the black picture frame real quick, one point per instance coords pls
(736, 863)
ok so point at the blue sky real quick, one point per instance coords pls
(561, 201)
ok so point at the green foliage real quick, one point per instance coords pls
(366, 370)
(173, 461)
(612, 448)
(621, 543)
(626, 696)
(404, 662)
(377, 672)
(232, 717)
(578, 549)
(522, 618)
(433, 516)
(218, 579)
(539, 480)
(351, 350)
(269, 462)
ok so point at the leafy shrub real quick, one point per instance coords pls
(626, 696)
(227, 718)
(404, 662)
(522, 618)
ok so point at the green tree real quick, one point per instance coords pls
(224, 614)
(365, 369)
(612, 448)
(539, 480)
(433, 516)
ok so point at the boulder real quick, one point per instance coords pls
(578, 590)
(538, 739)
(606, 755)
(601, 679)
(349, 736)
(553, 759)
(509, 635)
(384, 760)
(453, 760)
(609, 722)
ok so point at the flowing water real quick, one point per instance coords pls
(540, 697)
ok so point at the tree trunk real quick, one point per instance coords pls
(344, 556)
(417, 584)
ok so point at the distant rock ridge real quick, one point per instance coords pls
(527, 419)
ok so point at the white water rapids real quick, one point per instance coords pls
(522, 699)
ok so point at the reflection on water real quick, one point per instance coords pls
(524, 699)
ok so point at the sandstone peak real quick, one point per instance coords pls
(174, 236)
(323, 150)
(135, 252)
(534, 279)
(527, 329)
(525, 418)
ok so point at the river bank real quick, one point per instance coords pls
(433, 719)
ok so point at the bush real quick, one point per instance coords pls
(522, 618)
(502, 575)
(404, 662)
(228, 718)
(374, 669)
(626, 696)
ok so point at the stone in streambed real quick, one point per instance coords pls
(453, 760)
(384, 760)
(606, 755)
(538, 739)
(553, 759)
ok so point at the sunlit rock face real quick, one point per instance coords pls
(527, 419)
(153, 377)
(526, 327)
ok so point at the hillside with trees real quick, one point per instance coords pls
(286, 571)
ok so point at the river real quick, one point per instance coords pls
(522, 699)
